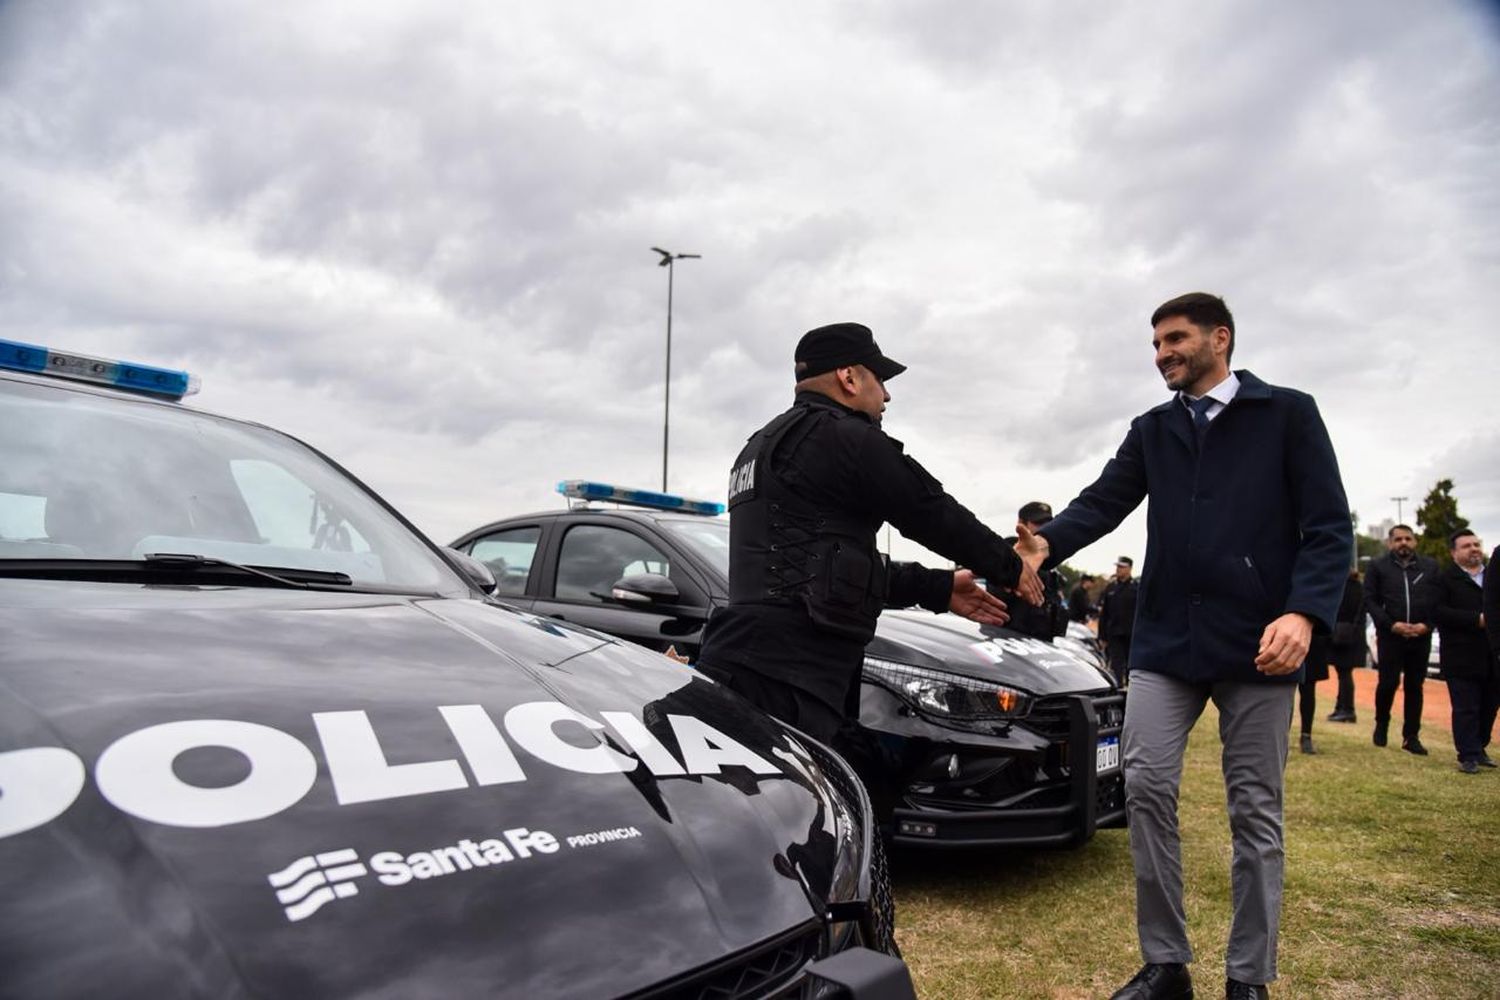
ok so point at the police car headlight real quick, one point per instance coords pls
(948, 694)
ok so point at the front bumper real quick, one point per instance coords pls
(1031, 782)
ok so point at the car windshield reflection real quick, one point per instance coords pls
(92, 477)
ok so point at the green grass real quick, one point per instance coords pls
(1392, 888)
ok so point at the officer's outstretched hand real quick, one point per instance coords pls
(1033, 549)
(973, 601)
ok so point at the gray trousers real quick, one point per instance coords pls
(1254, 721)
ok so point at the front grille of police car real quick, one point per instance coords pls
(767, 970)
(1051, 718)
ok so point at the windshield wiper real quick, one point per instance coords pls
(156, 564)
(289, 576)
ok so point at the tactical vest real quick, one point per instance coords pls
(787, 551)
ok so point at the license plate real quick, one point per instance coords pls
(1107, 756)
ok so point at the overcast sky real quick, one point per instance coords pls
(417, 235)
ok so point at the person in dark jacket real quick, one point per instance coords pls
(1400, 595)
(1117, 618)
(1080, 604)
(1491, 604)
(1248, 540)
(807, 495)
(1468, 663)
(1314, 670)
(1050, 619)
(1348, 650)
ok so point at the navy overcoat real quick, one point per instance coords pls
(1252, 525)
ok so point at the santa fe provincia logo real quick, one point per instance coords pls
(308, 884)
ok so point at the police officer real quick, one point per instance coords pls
(1051, 618)
(807, 495)
(1117, 617)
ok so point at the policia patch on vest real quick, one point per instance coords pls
(742, 483)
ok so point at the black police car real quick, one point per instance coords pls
(259, 737)
(968, 735)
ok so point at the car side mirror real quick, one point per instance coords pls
(476, 572)
(645, 588)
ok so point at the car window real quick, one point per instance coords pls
(508, 554)
(594, 556)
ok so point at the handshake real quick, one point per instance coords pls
(974, 602)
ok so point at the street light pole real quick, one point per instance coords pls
(1399, 502)
(668, 259)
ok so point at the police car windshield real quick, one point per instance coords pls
(85, 476)
(709, 537)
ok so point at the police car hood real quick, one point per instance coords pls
(256, 792)
(957, 645)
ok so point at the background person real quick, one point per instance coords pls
(1400, 594)
(1314, 669)
(1080, 604)
(1468, 665)
(1050, 619)
(1348, 648)
(807, 495)
(1248, 538)
(1117, 618)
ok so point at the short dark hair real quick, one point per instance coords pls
(1202, 310)
(1399, 527)
(1460, 533)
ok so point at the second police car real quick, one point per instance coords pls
(260, 737)
(968, 735)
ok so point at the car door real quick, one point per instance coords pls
(591, 555)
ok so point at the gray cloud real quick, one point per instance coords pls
(419, 235)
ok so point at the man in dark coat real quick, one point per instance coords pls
(1492, 604)
(1248, 541)
(807, 495)
(1080, 604)
(1049, 619)
(1117, 617)
(1468, 664)
(1400, 594)
(1348, 646)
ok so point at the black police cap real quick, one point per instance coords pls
(839, 345)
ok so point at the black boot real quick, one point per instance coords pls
(1236, 990)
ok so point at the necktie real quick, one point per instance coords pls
(1200, 417)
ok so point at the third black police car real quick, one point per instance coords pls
(968, 735)
(259, 737)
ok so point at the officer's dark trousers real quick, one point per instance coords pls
(1403, 663)
(790, 704)
(1474, 707)
(1344, 701)
(1117, 651)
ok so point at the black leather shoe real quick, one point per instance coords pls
(1485, 761)
(1469, 766)
(1236, 990)
(1415, 746)
(1379, 737)
(1305, 744)
(1157, 982)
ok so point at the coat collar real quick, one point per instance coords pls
(1252, 390)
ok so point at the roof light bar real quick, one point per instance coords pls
(167, 382)
(581, 489)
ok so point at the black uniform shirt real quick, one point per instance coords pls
(852, 465)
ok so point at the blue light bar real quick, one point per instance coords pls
(102, 371)
(581, 489)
